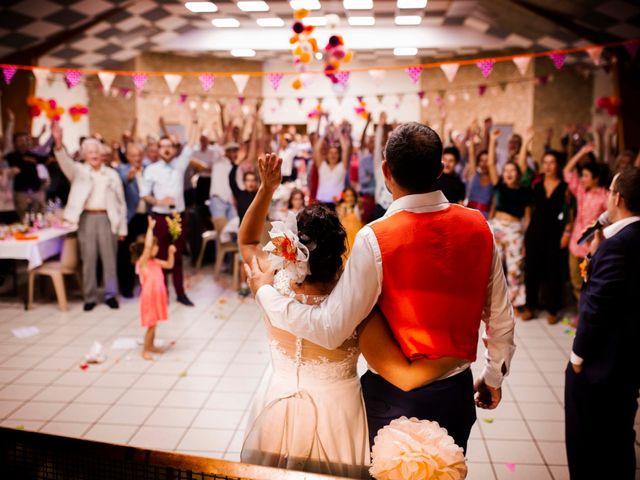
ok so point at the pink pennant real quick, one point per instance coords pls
(414, 73)
(482, 89)
(522, 63)
(125, 92)
(72, 78)
(139, 79)
(421, 94)
(275, 79)
(342, 77)
(558, 59)
(182, 98)
(206, 81)
(486, 67)
(360, 98)
(300, 100)
(8, 71)
(542, 80)
(595, 54)
(632, 48)
(241, 100)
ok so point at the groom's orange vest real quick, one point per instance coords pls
(435, 271)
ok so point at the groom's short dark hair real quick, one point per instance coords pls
(414, 156)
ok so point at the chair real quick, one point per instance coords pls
(208, 236)
(222, 248)
(57, 269)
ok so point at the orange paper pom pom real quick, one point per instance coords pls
(305, 57)
(340, 39)
(348, 56)
(300, 14)
(296, 84)
(309, 29)
(297, 51)
(294, 39)
(314, 44)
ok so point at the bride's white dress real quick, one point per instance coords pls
(309, 413)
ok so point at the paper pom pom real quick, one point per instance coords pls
(338, 53)
(334, 40)
(348, 56)
(294, 39)
(305, 57)
(298, 27)
(34, 111)
(333, 20)
(308, 29)
(314, 44)
(297, 50)
(296, 84)
(300, 14)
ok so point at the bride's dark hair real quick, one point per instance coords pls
(321, 231)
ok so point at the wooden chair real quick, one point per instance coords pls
(57, 269)
(223, 248)
(208, 236)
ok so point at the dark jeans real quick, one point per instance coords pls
(161, 231)
(126, 269)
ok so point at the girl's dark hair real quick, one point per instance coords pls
(349, 189)
(321, 231)
(598, 170)
(479, 154)
(294, 192)
(516, 166)
(559, 157)
(137, 249)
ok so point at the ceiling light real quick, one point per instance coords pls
(315, 21)
(270, 22)
(243, 52)
(358, 4)
(361, 21)
(307, 4)
(408, 20)
(225, 22)
(412, 3)
(201, 7)
(253, 6)
(405, 51)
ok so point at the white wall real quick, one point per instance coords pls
(65, 97)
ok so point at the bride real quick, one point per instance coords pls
(309, 413)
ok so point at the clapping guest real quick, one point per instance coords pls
(97, 205)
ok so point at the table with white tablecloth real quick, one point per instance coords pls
(36, 251)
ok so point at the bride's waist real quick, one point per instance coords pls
(314, 375)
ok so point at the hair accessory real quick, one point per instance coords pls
(286, 251)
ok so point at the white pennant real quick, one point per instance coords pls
(173, 81)
(377, 75)
(41, 74)
(450, 70)
(106, 79)
(241, 81)
(595, 53)
(522, 63)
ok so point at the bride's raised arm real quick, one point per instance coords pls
(252, 225)
(384, 355)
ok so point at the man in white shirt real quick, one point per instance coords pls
(207, 154)
(221, 198)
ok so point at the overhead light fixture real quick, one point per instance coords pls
(412, 3)
(408, 20)
(270, 22)
(361, 21)
(405, 51)
(253, 6)
(358, 4)
(201, 7)
(243, 52)
(315, 21)
(225, 22)
(306, 4)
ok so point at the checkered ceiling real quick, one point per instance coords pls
(104, 33)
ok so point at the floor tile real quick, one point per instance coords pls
(8, 406)
(156, 382)
(503, 429)
(178, 398)
(142, 396)
(504, 410)
(224, 419)
(81, 412)
(66, 429)
(477, 451)
(480, 471)
(79, 378)
(542, 411)
(196, 383)
(37, 377)
(537, 393)
(19, 392)
(10, 374)
(163, 438)
(171, 417)
(222, 401)
(56, 393)
(513, 451)
(102, 395)
(217, 440)
(522, 472)
(547, 431)
(37, 410)
(119, 434)
(126, 415)
(562, 473)
(116, 380)
(554, 453)
(29, 425)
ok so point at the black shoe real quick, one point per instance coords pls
(183, 299)
(112, 302)
(89, 306)
(127, 295)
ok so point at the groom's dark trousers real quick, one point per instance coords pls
(449, 402)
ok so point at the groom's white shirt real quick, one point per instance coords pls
(330, 323)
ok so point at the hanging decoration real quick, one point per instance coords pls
(76, 111)
(522, 63)
(8, 71)
(361, 109)
(173, 80)
(380, 99)
(595, 55)
(182, 98)
(304, 46)
(206, 81)
(482, 88)
(610, 104)
(41, 74)
(241, 80)
(342, 78)
(72, 77)
(241, 100)
(300, 100)
(106, 80)
(632, 48)
(414, 73)
(49, 107)
(450, 70)
(558, 59)
(36, 106)
(542, 80)
(274, 80)
(335, 52)
(316, 112)
(486, 66)
(139, 79)
(421, 94)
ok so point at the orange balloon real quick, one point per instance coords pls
(296, 84)
(297, 50)
(305, 57)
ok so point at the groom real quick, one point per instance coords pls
(433, 270)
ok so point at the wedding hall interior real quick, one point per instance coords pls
(174, 301)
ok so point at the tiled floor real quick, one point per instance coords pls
(194, 399)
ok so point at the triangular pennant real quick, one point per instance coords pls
(414, 73)
(206, 81)
(595, 54)
(300, 100)
(139, 79)
(482, 89)
(360, 98)
(274, 80)
(106, 80)
(241, 100)
(503, 86)
(542, 80)
(522, 63)
(240, 79)
(380, 99)
(377, 75)
(8, 71)
(340, 99)
(166, 101)
(41, 74)
(173, 80)
(632, 48)
(421, 94)
(424, 102)
(182, 98)
(279, 101)
(450, 70)
(319, 101)
(486, 66)
(343, 77)
(72, 77)
(558, 59)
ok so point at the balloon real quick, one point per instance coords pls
(348, 56)
(305, 57)
(296, 84)
(298, 27)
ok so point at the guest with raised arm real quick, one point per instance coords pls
(476, 174)
(332, 167)
(449, 182)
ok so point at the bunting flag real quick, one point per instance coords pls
(241, 100)
(274, 80)
(503, 86)
(486, 67)
(414, 73)
(173, 80)
(542, 80)
(377, 75)
(425, 102)
(206, 81)
(106, 80)
(339, 99)
(193, 104)
(632, 48)
(452, 98)
(450, 70)
(72, 77)
(343, 77)
(139, 79)
(182, 98)
(522, 63)
(380, 99)
(421, 94)
(240, 79)
(166, 101)
(360, 98)
(300, 100)
(558, 59)
(8, 72)
(595, 54)
(482, 89)
(41, 74)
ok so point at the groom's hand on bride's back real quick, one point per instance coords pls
(256, 277)
(486, 396)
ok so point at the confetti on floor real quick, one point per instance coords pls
(183, 374)
(511, 467)
(487, 420)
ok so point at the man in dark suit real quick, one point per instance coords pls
(603, 378)
(131, 174)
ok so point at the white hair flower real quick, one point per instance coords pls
(286, 251)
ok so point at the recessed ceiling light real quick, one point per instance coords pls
(361, 21)
(315, 21)
(405, 51)
(200, 7)
(412, 3)
(243, 52)
(253, 6)
(225, 22)
(270, 22)
(408, 20)
(358, 4)
(308, 4)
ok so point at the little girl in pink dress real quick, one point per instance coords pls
(153, 297)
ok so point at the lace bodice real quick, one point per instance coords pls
(295, 356)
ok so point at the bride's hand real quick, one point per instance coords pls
(256, 277)
(269, 167)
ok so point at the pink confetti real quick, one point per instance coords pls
(8, 72)
(275, 79)
(343, 78)
(139, 79)
(511, 467)
(207, 82)
(486, 67)
(72, 77)
(414, 73)
(558, 59)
